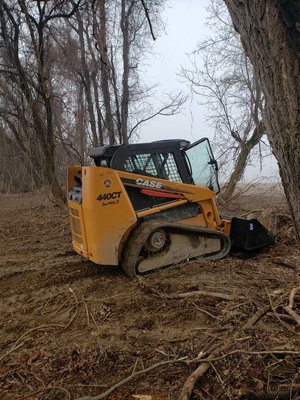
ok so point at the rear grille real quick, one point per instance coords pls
(77, 239)
(76, 228)
(74, 212)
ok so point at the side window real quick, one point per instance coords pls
(170, 167)
(158, 165)
(140, 164)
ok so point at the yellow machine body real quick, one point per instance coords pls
(146, 206)
(103, 219)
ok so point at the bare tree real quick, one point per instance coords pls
(71, 78)
(269, 31)
(117, 43)
(122, 38)
(226, 84)
(16, 172)
(25, 36)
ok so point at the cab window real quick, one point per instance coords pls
(158, 165)
(203, 165)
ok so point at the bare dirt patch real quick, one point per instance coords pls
(70, 328)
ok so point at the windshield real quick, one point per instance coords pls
(203, 165)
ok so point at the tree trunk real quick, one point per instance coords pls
(80, 126)
(116, 95)
(45, 139)
(94, 77)
(87, 81)
(270, 35)
(242, 162)
(105, 71)
(126, 67)
(237, 173)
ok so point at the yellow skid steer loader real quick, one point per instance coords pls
(150, 205)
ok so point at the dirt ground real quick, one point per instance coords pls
(70, 328)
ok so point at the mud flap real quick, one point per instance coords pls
(249, 234)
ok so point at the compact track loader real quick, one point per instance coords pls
(151, 205)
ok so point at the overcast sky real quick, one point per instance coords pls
(185, 26)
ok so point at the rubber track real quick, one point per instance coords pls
(141, 233)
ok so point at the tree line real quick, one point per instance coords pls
(70, 79)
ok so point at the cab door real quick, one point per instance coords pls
(203, 166)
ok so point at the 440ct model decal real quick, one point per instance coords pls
(109, 196)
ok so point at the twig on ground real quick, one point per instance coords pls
(62, 225)
(131, 377)
(38, 328)
(41, 327)
(255, 318)
(276, 314)
(11, 350)
(73, 294)
(68, 324)
(290, 386)
(240, 351)
(223, 296)
(62, 305)
(289, 309)
(93, 319)
(205, 311)
(283, 317)
(215, 354)
(272, 395)
(292, 296)
(293, 314)
(87, 313)
(193, 378)
(76, 306)
(47, 390)
(284, 264)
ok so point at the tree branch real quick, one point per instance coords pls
(148, 19)
(167, 110)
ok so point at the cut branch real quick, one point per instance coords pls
(215, 354)
(223, 296)
(131, 377)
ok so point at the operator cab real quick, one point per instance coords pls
(174, 160)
